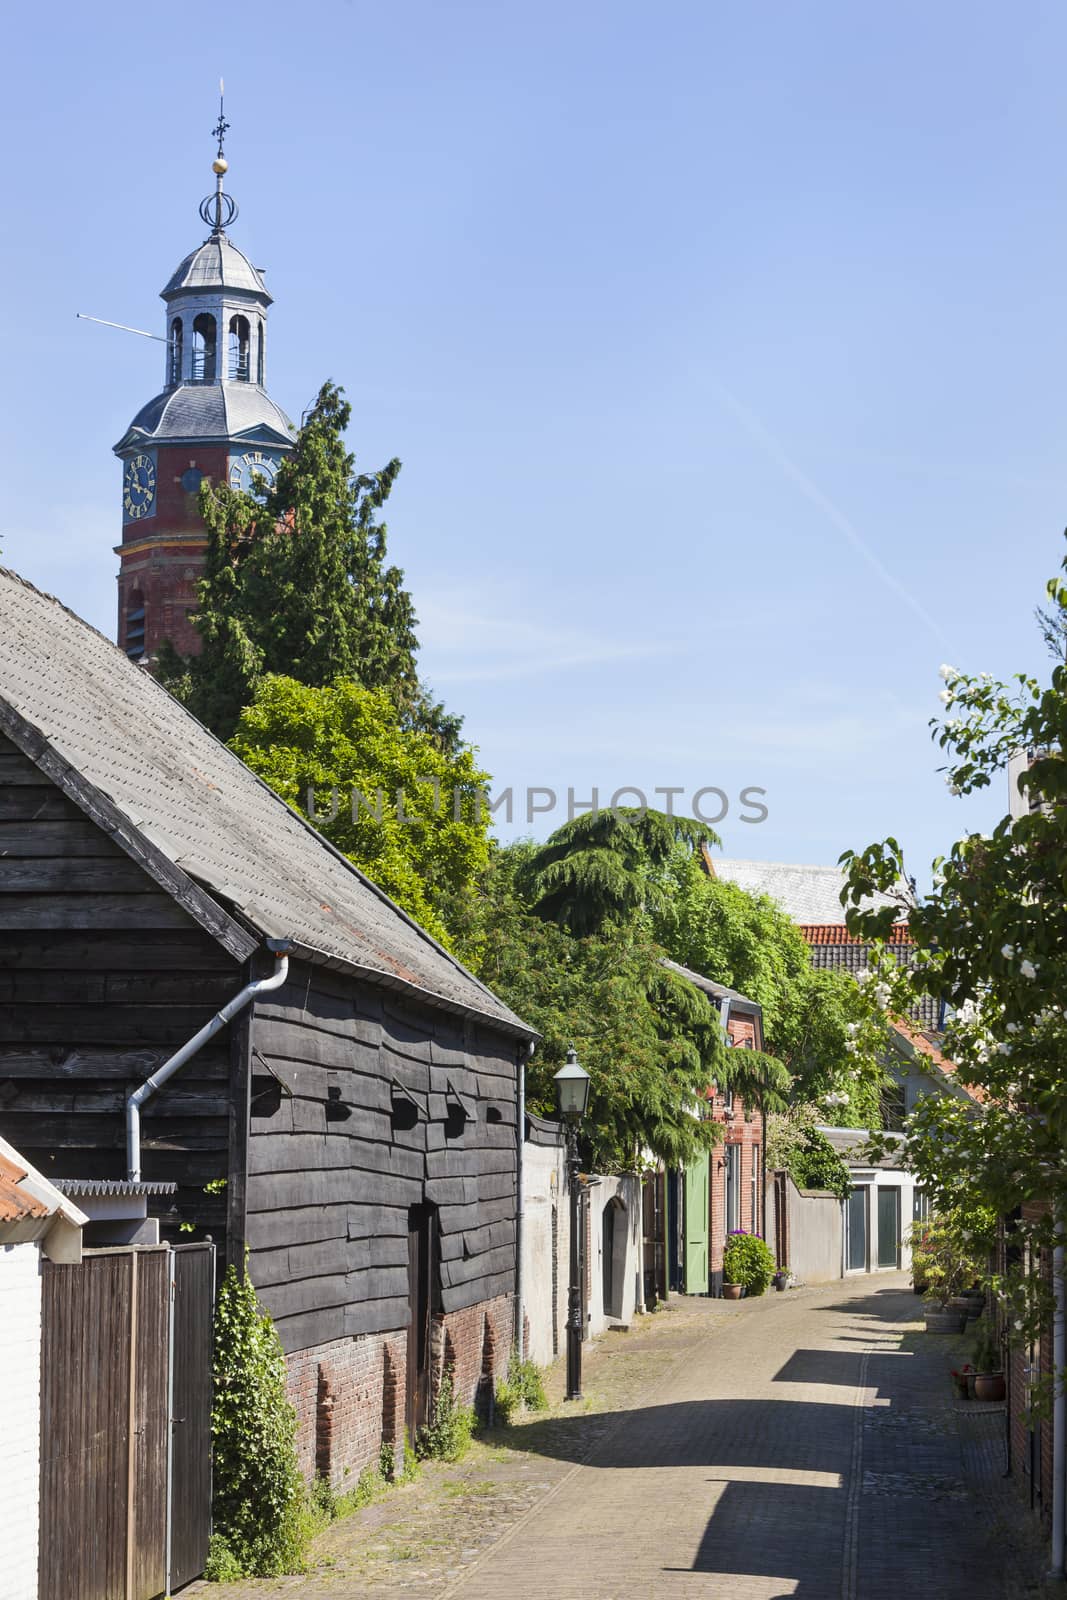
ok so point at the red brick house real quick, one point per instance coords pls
(723, 1192)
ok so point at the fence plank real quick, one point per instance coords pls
(84, 1433)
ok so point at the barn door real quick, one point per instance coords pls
(422, 1297)
(194, 1283)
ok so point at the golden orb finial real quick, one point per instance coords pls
(220, 166)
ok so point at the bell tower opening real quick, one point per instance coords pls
(175, 352)
(240, 349)
(204, 335)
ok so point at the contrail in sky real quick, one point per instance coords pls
(811, 491)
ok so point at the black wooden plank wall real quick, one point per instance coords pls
(102, 976)
(332, 1171)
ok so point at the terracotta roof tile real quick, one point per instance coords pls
(16, 1202)
(820, 933)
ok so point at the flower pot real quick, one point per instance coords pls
(731, 1291)
(989, 1386)
(962, 1388)
(970, 1384)
(780, 1280)
(944, 1321)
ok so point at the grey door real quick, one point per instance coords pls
(888, 1227)
(856, 1258)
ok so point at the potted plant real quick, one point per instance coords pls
(731, 1291)
(989, 1381)
(747, 1264)
(781, 1279)
(961, 1381)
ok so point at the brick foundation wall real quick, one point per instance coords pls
(476, 1344)
(350, 1394)
(349, 1399)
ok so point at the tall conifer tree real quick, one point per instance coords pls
(300, 586)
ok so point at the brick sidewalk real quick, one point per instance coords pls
(804, 1445)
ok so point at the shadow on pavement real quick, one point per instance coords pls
(783, 1435)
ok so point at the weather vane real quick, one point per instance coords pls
(222, 127)
(219, 209)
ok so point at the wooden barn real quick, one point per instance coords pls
(360, 1107)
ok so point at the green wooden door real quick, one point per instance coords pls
(696, 1226)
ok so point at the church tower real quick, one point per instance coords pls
(213, 419)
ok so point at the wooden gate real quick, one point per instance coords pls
(190, 1475)
(105, 1421)
(653, 1228)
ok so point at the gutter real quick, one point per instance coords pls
(280, 949)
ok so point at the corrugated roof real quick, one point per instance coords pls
(806, 894)
(109, 1186)
(192, 801)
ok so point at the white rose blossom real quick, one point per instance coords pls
(1028, 969)
(1007, 951)
(947, 672)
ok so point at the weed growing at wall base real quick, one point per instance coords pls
(447, 1437)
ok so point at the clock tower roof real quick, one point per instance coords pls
(198, 412)
(216, 265)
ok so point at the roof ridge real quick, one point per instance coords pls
(126, 665)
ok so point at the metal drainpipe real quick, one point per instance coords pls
(280, 949)
(1059, 1407)
(524, 1054)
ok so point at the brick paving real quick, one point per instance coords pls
(803, 1446)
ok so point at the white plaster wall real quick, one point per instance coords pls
(905, 1182)
(544, 1189)
(20, 1416)
(604, 1193)
(815, 1233)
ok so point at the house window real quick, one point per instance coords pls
(893, 1107)
(261, 340)
(755, 1189)
(920, 1205)
(204, 334)
(240, 360)
(175, 352)
(733, 1187)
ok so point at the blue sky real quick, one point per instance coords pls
(723, 347)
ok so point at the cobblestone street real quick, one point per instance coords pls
(805, 1445)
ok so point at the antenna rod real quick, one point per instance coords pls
(124, 326)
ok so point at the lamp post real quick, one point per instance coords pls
(572, 1089)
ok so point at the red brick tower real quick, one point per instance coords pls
(213, 419)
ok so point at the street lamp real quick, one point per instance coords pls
(572, 1089)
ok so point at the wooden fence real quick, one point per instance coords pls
(125, 1422)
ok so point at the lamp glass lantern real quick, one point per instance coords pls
(572, 1088)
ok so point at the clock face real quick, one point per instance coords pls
(139, 488)
(254, 463)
